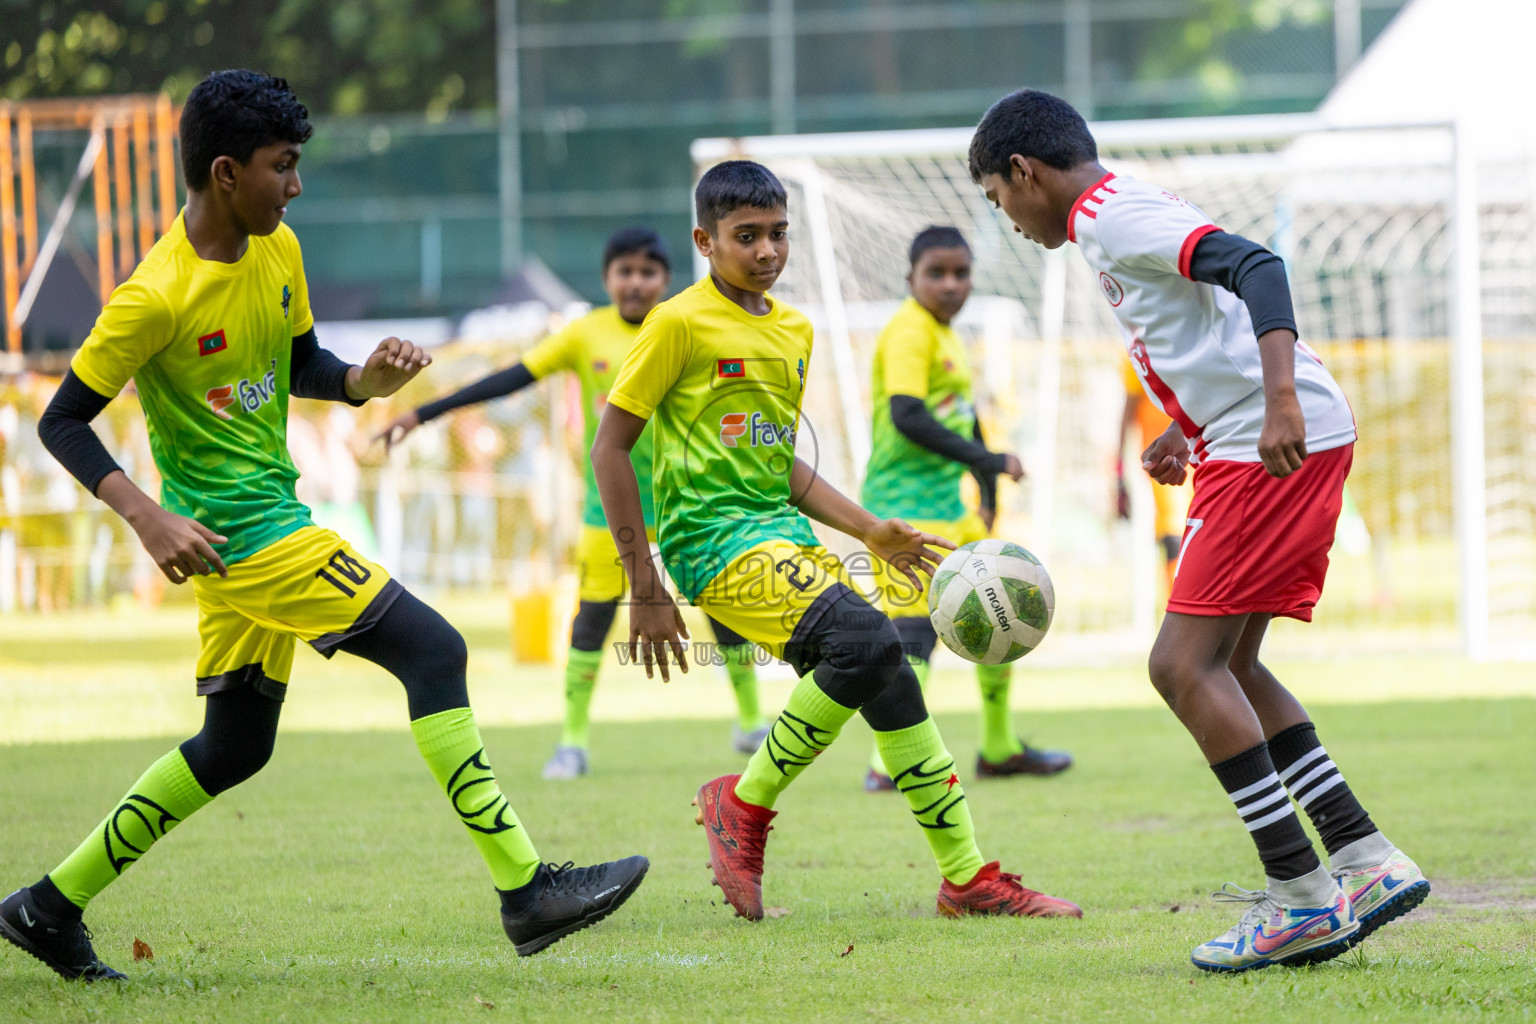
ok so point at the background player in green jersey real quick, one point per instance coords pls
(722, 369)
(215, 328)
(636, 272)
(925, 437)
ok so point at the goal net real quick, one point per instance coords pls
(1413, 276)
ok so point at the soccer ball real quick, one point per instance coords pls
(991, 601)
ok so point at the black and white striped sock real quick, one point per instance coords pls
(1319, 787)
(1255, 789)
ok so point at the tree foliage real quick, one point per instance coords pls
(342, 56)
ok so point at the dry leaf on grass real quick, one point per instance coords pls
(485, 1003)
(846, 951)
(777, 912)
(141, 951)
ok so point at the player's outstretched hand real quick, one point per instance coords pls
(181, 547)
(1013, 467)
(988, 517)
(655, 626)
(908, 549)
(1166, 459)
(1283, 441)
(388, 369)
(397, 430)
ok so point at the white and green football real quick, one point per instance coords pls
(991, 601)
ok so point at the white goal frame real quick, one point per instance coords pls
(796, 157)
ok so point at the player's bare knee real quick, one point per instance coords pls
(1169, 672)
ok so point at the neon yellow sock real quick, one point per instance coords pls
(450, 744)
(580, 678)
(999, 739)
(920, 669)
(926, 775)
(742, 670)
(162, 798)
(810, 721)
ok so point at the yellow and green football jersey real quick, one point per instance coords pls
(724, 388)
(918, 356)
(593, 348)
(209, 346)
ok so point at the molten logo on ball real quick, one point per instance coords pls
(991, 601)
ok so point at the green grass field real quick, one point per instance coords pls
(336, 886)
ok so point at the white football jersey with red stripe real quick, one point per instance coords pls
(1192, 344)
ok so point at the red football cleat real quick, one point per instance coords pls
(736, 833)
(994, 891)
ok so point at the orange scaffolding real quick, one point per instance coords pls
(130, 157)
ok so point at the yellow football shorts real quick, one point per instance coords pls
(765, 591)
(311, 585)
(601, 573)
(895, 594)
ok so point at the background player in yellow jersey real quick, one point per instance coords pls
(1171, 503)
(925, 437)
(721, 367)
(636, 271)
(215, 328)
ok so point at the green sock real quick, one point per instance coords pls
(450, 744)
(810, 721)
(920, 668)
(163, 797)
(743, 672)
(925, 774)
(999, 740)
(580, 677)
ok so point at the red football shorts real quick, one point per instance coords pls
(1257, 544)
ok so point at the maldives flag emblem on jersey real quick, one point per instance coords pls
(731, 367)
(208, 344)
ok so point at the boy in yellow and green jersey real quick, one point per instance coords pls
(925, 438)
(215, 329)
(720, 369)
(636, 272)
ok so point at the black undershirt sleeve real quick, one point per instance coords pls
(986, 479)
(497, 385)
(910, 416)
(65, 430)
(1249, 271)
(318, 373)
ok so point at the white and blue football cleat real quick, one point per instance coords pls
(1383, 892)
(1271, 933)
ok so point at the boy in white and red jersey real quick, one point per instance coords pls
(1209, 325)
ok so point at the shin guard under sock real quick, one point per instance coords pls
(1262, 802)
(450, 744)
(926, 775)
(162, 798)
(810, 721)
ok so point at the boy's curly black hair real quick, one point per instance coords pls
(1030, 123)
(234, 113)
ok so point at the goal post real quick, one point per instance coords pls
(1403, 249)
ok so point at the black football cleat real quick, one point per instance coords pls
(1029, 761)
(61, 943)
(563, 899)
